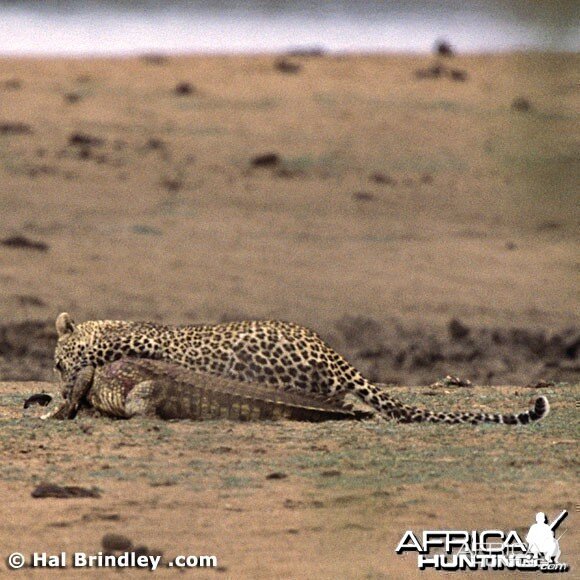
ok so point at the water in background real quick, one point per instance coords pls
(136, 26)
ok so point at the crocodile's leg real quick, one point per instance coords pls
(141, 400)
(83, 383)
(80, 388)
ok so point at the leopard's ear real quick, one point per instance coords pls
(64, 324)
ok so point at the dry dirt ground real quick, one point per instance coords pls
(287, 500)
(423, 226)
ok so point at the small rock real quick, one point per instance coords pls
(521, 105)
(363, 196)
(72, 98)
(457, 330)
(84, 140)
(21, 242)
(45, 490)
(382, 178)
(266, 160)
(331, 473)
(458, 75)
(172, 184)
(286, 66)
(433, 72)
(30, 300)
(12, 84)
(451, 381)
(155, 59)
(276, 475)
(155, 144)
(15, 128)
(183, 89)
(541, 384)
(116, 543)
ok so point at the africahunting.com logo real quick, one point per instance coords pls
(489, 549)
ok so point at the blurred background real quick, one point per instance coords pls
(122, 27)
(400, 176)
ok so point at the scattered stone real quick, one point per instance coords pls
(22, 242)
(146, 230)
(172, 184)
(84, 153)
(458, 75)
(549, 226)
(63, 492)
(108, 517)
(521, 105)
(276, 475)
(450, 381)
(457, 330)
(29, 300)
(443, 48)
(155, 144)
(41, 399)
(266, 160)
(86, 428)
(541, 384)
(438, 71)
(184, 89)
(155, 59)
(287, 173)
(382, 178)
(116, 543)
(72, 98)
(331, 473)
(286, 66)
(433, 72)
(292, 504)
(85, 140)
(11, 84)
(222, 449)
(363, 196)
(15, 128)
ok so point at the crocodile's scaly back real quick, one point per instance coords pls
(140, 386)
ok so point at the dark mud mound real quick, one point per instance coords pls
(400, 354)
(26, 350)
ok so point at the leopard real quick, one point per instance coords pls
(273, 352)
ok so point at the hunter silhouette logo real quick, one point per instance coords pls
(541, 538)
(489, 549)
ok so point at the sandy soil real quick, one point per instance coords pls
(423, 226)
(286, 500)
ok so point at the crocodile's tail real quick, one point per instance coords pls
(392, 408)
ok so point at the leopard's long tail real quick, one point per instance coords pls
(392, 408)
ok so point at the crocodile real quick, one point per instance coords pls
(133, 386)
